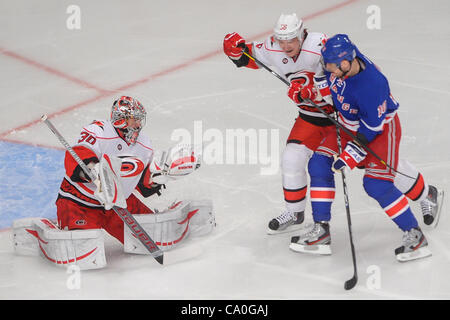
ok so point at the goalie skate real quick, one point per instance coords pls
(414, 246)
(286, 222)
(317, 240)
(431, 206)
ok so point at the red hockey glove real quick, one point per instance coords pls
(309, 92)
(298, 92)
(294, 90)
(233, 45)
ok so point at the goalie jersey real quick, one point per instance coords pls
(99, 138)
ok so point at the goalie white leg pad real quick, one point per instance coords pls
(170, 227)
(39, 236)
(24, 242)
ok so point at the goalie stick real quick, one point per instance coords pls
(349, 284)
(123, 213)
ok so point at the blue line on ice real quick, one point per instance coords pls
(29, 181)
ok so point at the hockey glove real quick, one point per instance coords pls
(233, 45)
(177, 162)
(352, 155)
(309, 92)
(298, 92)
(95, 169)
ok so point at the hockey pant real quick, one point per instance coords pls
(389, 189)
(75, 216)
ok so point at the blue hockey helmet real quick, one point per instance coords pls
(338, 48)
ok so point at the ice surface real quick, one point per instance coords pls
(168, 54)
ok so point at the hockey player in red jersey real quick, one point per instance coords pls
(77, 205)
(122, 159)
(295, 53)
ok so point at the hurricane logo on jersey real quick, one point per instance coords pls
(131, 167)
(304, 77)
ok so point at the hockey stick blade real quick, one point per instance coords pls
(351, 283)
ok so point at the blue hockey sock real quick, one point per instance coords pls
(393, 202)
(322, 189)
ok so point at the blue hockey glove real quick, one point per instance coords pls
(350, 157)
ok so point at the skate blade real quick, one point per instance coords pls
(417, 254)
(294, 227)
(440, 201)
(319, 249)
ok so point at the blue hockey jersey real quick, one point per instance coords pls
(364, 101)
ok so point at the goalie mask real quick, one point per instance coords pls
(128, 116)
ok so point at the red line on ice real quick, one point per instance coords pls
(51, 70)
(105, 93)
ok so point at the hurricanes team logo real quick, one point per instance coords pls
(131, 167)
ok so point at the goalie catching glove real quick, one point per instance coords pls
(177, 162)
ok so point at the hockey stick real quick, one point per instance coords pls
(124, 214)
(349, 284)
(335, 122)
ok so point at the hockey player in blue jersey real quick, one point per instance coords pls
(366, 107)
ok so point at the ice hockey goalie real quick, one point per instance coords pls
(123, 162)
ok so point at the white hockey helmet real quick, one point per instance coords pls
(288, 27)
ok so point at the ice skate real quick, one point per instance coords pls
(316, 240)
(431, 206)
(286, 222)
(414, 246)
